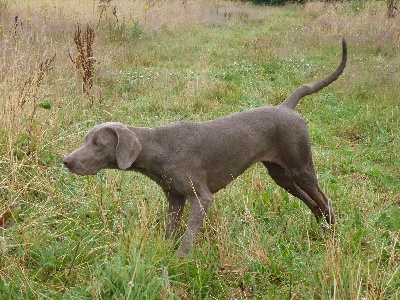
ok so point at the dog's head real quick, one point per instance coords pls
(108, 145)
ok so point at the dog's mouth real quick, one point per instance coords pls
(82, 172)
(72, 169)
(76, 168)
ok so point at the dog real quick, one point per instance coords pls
(192, 161)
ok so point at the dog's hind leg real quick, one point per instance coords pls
(306, 180)
(284, 179)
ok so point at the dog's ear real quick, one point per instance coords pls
(128, 147)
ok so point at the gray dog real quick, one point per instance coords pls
(192, 161)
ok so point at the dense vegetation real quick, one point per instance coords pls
(155, 62)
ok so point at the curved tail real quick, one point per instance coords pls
(308, 89)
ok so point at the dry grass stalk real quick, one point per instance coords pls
(84, 61)
(31, 85)
(104, 5)
(29, 92)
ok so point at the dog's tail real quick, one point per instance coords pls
(311, 88)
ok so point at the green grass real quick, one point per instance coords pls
(101, 237)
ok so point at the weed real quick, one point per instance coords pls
(84, 61)
(28, 93)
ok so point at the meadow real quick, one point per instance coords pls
(154, 62)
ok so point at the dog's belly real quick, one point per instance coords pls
(219, 179)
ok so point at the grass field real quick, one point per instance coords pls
(102, 237)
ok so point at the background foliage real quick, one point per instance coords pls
(155, 62)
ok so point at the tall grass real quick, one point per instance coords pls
(101, 237)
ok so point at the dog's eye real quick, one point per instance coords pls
(95, 142)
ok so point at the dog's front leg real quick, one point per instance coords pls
(199, 205)
(176, 204)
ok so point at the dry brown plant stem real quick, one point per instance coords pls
(84, 61)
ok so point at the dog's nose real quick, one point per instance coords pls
(67, 162)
